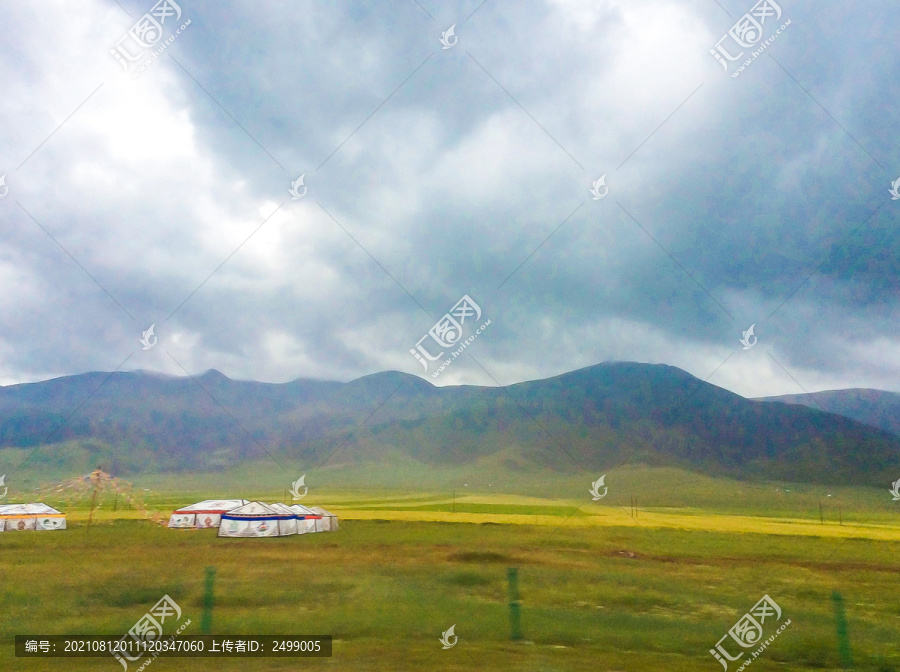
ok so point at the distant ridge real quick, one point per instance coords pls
(873, 407)
(593, 418)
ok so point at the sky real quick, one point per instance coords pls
(588, 174)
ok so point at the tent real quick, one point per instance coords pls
(27, 517)
(253, 520)
(204, 514)
(289, 524)
(307, 519)
(328, 522)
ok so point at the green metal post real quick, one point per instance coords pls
(840, 620)
(206, 621)
(515, 626)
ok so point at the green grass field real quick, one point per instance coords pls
(601, 589)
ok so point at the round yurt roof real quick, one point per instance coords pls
(35, 509)
(213, 506)
(284, 509)
(253, 511)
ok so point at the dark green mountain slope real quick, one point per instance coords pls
(873, 407)
(593, 418)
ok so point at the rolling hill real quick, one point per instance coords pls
(593, 418)
(873, 407)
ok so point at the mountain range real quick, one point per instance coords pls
(594, 418)
(873, 407)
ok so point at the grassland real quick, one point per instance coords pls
(603, 586)
(650, 487)
(624, 594)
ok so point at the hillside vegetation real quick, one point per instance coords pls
(591, 419)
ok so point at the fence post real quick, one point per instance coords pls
(840, 620)
(515, 626)
(206, 620)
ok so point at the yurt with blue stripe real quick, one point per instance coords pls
(288, 525)
(307, 519)
(255, 520)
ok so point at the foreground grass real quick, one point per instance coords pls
(627, 597)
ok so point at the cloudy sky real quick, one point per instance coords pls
(161, 195)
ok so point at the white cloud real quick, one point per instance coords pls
(450, 185)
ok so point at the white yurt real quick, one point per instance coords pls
(203, 514)
(307, 519)
(289, 524)
(29, 517)
(328, 522)
(254, 519)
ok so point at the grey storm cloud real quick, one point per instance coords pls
(433, 173)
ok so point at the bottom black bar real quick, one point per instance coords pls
(130, 648)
